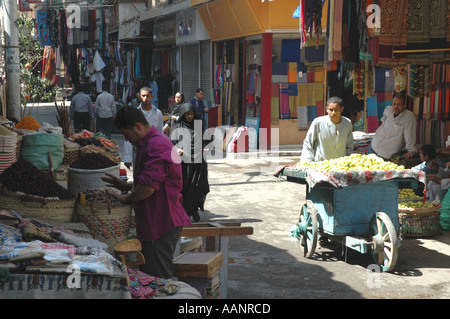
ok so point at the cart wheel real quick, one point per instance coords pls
(308, 225)
(384, 236)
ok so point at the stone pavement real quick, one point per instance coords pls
(268, 264)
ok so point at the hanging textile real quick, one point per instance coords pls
(292, 72)
(350, 32)
(309, 13)
(393, 34)
(98, 79)
(48, 64)
(319, 97)
(53, 26)
(293, 93)
(302, 106)
(337, 35)
(138, 63)
(427, 29)
(275, 104)
(63, 36)
(372, 114)
(315, 52)
(290, 50)
(311, 102)
(284, 101)
(43, 32)
(280, 72)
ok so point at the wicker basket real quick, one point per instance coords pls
(107, 224)
(419, 224)
(191, 244)
(70, 155)
(34, 207)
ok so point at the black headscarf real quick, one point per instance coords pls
(177, 106)
(195, 137)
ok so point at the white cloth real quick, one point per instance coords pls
(326, 140)
(98, 62)
(395, 134)
(98, 79)
(438, 191)
(105, 107)
(154, 118)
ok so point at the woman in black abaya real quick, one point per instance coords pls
(174, 116)
(187, 136)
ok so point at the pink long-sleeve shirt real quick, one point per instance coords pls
(158, 165)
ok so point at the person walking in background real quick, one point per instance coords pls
(81, 110)
(199, 107)
(155, 191)
(179, 101)
(154, 117)
(105, 109)
(329, 136)
(190, 144)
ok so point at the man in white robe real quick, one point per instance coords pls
(329, 136)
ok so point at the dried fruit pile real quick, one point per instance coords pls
(22, 176)
(93, 161)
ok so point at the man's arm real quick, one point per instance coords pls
(140, 192)
(410, 137)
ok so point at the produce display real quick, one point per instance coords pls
(86, 138)
(413, 205)
(356, 162)
(407, 193)
(22, 176)
(28, 123)
(93, 161)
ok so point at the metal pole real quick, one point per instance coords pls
(12, 60)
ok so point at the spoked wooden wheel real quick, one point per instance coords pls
(308, 228)
(384, 241)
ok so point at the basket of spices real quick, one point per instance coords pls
(71, 152)
(87, 171)
(33, 194)
(109, 220)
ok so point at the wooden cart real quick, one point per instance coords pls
(362, 216)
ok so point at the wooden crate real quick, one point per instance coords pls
(197, 264)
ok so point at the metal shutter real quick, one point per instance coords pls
(189, 70)
(205, 65)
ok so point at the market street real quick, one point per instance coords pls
(269, 264)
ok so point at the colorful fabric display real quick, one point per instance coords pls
(372, 114)
(280, 72)
(293, 93)
(284, 101)
(275, 104)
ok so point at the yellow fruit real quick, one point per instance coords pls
(355, 162)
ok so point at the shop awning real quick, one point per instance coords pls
(229, 19)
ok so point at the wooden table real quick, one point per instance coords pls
(217, 234)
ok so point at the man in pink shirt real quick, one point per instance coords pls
(155, 192)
